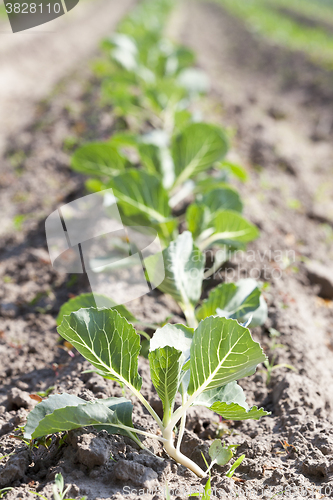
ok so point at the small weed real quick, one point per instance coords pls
(44, 394)
(18, 221)
(4, 491)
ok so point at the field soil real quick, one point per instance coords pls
(278, 108)
(32, 62)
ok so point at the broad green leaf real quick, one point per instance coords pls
(196, 148)
(230, 225)
(164, 94)
(220, 454)
(233, 411)
(182, 119)
(47, 406)
(230, 393)
(141, 195)
(236, 170)
(74, 417)
(225, 198)
(107, 340)
(123, 409)
(184, 266)
(222, 351)
(86, 300)
(65, 405)
(239, 301)
(94, 185)
(185, 57)
(178, 336)
(123, 97)
(242, 305)
(205, 183)
(165, 368)
(99, 159)
(218, 297)
(227, 228)
(197, 218)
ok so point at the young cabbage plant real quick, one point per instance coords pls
(147, 195)
(215, 218)
(222, 454)
(184, 266)
(148, 76)
(203, 365)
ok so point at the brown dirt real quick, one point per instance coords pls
(32, 62)
(282, 121)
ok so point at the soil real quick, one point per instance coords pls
(32, 62)
(278, 107)
(305, 20)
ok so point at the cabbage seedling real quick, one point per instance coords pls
(203, 365)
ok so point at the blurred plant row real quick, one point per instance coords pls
(167, 167)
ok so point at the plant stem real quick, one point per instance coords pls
(182, 426)
(147, 406)
(215, 267)
(138, 431)
(190, 316)
(211, 465)
(178, 456)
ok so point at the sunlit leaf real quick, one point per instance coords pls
(196, 148)
(86, 300)
(107, 340)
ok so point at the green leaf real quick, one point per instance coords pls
(233, 411)
(207, 490)
(141, 197)
(165, 367)
(196, 148)
(74, 417)
(178, 336)
(234, 466)
(222, 351)
(225, 198)
(86, 300)
(107, 340)
(218, 297)
(205, 183)
(99, 159)
(46, 407)
(184, 267)
(239, 301)
(247, 304)
(220, 454)
(230, 393)
(123, 409)
(232, 226)
(228, 227)
(42, 420)
(197, 218)
(236, 170)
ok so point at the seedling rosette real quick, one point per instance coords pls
(202, 364)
